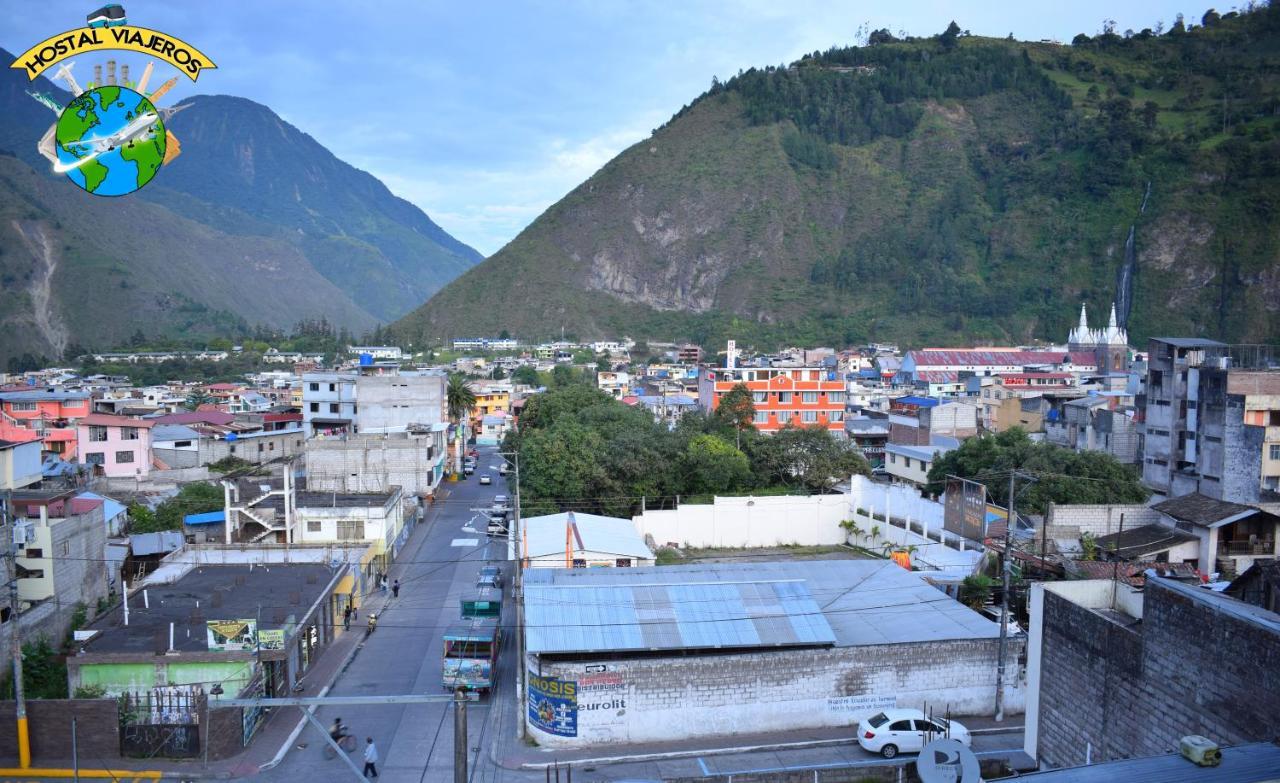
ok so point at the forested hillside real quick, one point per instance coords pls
(929, 190)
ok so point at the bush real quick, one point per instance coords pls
(89, 692)
(229, 464)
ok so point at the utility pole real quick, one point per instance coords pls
(15, 634)
(518, 582)
(1004, 600)
(459, 736)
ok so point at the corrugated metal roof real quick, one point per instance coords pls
(655, 616)
(846, 602)
(1253, 763)
(606, 535)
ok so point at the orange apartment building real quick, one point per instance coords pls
(802, 396)
(48, 415)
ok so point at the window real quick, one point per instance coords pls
(878, 720)
(784, 398)
(835, 415)
(332, 387)
(97, 433)
(95, 459)
(579, 562)
(836, 397)
(622, 562)
(260, 448)
(128, 433)
(350, 529)
(66, 548)
(810, 417)
(315, 387)
(313, 525)
(760, 396)
(1275, 451)
(22, 406)
(315, 407)
(762, 417)
(907, 462)
(333, 407)
(900, 725)
(124, 456)
(33, 552)
(810, 397)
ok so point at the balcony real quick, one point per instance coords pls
(1246, 548)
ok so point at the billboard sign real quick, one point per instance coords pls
(231, 635)
(271, 639)
(553, 705)
(965, 511)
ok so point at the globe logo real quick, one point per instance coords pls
(110, 141)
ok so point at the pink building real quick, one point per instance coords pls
(117, 446)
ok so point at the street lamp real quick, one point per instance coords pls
(517, 591)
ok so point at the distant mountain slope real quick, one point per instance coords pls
(932, 190)
(255, 223)
(269, 178)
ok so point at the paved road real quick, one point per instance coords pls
(439, 564)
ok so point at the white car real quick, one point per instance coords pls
(906, 731)
(485, 479)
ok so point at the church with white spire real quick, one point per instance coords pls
(1110, 345)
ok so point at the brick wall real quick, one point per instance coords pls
(661, 699)
(1196, 664)
(49, 722)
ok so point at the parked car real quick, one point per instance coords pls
(490, 576)
(906, 731)
(504, 469)
(467, 470)
(501, 502)
(485, 478)
(497, 524)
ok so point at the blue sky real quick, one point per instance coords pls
(486, 113)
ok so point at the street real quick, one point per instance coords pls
(439, 565)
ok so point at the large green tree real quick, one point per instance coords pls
(1061, 475)
(458, 396)
(714, 465)
(809, 457)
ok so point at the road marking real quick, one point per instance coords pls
(465, 542)
(703, 764)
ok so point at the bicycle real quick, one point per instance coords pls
(346, 741)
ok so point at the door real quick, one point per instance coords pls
(902, 734)
(929, 731)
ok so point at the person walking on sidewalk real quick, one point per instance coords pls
(395, 589)
(370, 758)
(382, 582)
(346, 618)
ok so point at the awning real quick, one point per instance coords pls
(346, 585)
(208, 518)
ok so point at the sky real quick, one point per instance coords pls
(485, 113)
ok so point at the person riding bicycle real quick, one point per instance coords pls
(337, 731)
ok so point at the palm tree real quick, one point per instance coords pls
(851, 527)
(459, 399)
(874, 532)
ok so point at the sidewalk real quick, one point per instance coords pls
(283, 726)
(510, 753)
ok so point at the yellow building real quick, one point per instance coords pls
(489, 400)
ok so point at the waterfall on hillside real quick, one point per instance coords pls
(1124, 279)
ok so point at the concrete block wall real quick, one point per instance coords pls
(1097, 520)
(667, 698)
(1194, 665)
(49, 722)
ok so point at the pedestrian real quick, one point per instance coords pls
(370, 758)
(382, 582)
(355, 612)
(346, 618)
(395, 589)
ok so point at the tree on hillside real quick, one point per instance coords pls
(197, 398)
(1061, 475)
(563, 375)
(738, 410)
(808, 456)
(526, 375)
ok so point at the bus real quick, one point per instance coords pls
(470, 658)
(484, 602)
(107, 16)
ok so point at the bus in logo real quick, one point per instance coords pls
(108, 16)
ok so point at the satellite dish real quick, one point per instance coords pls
(947, 761)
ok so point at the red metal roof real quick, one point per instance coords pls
(107, 420)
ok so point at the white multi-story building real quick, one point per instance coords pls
(389, 352)
(328, 402)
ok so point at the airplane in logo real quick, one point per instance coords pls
(141, 127)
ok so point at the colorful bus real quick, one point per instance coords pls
(470, 655)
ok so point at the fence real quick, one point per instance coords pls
(161, 722)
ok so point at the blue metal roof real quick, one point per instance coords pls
(207, 518)
(923, 402)
(565, 618)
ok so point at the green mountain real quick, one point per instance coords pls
(935, 190)
(254, 224)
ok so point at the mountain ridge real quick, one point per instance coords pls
(349, 250)
(925, 191)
